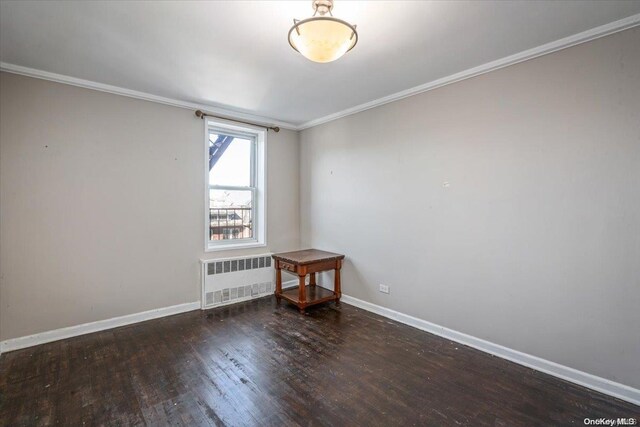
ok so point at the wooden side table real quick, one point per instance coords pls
(308, 261)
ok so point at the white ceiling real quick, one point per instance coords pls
(235, 55)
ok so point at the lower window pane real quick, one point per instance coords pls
(230, 214)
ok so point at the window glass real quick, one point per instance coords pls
(229, 160)
(230, 214)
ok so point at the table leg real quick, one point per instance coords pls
(312, 279)
(336, 284)
(302, 297)
(278, 283)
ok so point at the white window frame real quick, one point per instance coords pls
(258, 177)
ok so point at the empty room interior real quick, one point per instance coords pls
(320, 213)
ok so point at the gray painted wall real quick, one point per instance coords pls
(101, 204)
(535, 243)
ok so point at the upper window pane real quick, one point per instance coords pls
(229, 160)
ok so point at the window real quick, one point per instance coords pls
(235, 186)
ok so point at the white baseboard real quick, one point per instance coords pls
(100, 325)
(584, 379)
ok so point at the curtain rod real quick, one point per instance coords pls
(201, 114)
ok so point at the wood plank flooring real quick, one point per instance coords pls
(257, 363)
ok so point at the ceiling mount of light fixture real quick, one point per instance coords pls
(322, 7)
(322, 38)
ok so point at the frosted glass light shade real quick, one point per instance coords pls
(322, 39)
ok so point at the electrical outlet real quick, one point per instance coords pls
(384, 289)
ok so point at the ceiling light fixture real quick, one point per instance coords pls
(322, 38)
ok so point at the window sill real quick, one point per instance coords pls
(233, 246)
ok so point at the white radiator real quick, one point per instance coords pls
(231, 280)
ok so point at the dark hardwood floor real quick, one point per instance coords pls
(259, 364)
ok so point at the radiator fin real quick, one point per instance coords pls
(230, 266)
(239, 279)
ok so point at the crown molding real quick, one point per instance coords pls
(576, 39)
(583, 37)
(88, 84)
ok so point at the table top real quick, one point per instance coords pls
(307, 256)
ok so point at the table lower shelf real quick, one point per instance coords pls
(314, 295)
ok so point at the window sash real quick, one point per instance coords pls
(253, 187)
